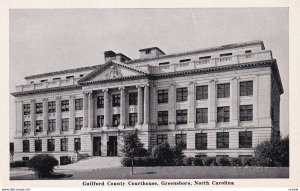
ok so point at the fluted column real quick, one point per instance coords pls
(140, 105)
(191, 110)
(172, 106)
(45, 116)
(72, 113)
(146, 104)
(32, 117)
(85, 110)
(212, 98)
(58, 114)
(107, 116)
(91, 110)
(123, 107)
(234, 103)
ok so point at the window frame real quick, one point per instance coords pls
(133, 98)
(38, 145)
(26, 146)
(162, 118)
(246, 112)
(223, 114)
(162, 96)
(38, 108)
(181, 94)
(77, 144)
(116, 117)
(51, 125)
(245, 141)
(100, 121)
(50, 145)
(132, 119)
(246, 88)
(64, 144)
(181, 138)
(201, 115)
(40, 124)
(26, 127)
(222, 140)
(78, 123)
(201, 141)
(100, 101)
(78, 104)
(161, 138)
(51, 107)
(202, 92)
(223, 90)
(26, 109)
(181, 116)
(65, 105)
(65, 124)
(116, 100)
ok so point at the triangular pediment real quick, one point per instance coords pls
(111, 71)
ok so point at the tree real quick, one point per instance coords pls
(133, 146)
(42, 165)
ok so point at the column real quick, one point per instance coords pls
(191, 110)
(140, 105)
(123, 107)
(212, 98)
(172, 106)
(19, 118)
(58, 115)
(90, 110)
(72, 114)
(45, 116)
(153, 112)
(255, 101)
(146, 105)
(107, 116)
(32, 117)
(234, 102)
(85, 110)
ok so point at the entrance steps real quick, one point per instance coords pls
(93, 163)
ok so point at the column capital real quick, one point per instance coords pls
(235, 78)
(105, 90)
(192, 82)
(122, 88)
(45, 99)
(72, 96)
(33, 100)
(58, 98)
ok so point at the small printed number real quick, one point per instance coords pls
(293, 189)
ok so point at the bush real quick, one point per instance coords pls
(164, 153)
(208, 161)
(188, 161)
(223, 161)
(42, 165)
(140, 161)
(248, 161)
(21, 163)
(236, 161)
(198, 161)
(64, 160)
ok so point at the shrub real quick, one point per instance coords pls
(42, 165)
(223, 161)
(164, 153)
(208, 161)
(248, 161)
(140, 161)
(198, 161)
(188, 161)
(236, 161)
(64, 160)
(133, 146)
(21, 163)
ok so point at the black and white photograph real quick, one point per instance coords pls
(149, 96)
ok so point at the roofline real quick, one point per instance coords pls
(123, 55)
(155, 47)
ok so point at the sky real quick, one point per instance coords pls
(47, 40)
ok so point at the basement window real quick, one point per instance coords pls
(225, 54)
(163, 63)
(55, 79)
(185, 60)
(204, 57)
(248, 51)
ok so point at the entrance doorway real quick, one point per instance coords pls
(112, 146)
(97, 146)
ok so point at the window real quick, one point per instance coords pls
(51, 145)
(181, 94)
(223, 140)
(223, 90)
(100, 101)
(201, 141)
(116, 120)
(116, 100)
(25, 158)
(81, 75)
(51, 125)
(51, 107)
(38, 145)
(201, 115)
(161, 138)
(181, 139)
(181, 116)
(245, 139)
(163, 63)
(26, 109)
(65, 124)
(162, 96)
(100, 121)
(132, 119)
(38, 126)
(201, 92)
(78, 104)
(27, 127)
(70, 77)
(204, 57)
(133, 98)
(225, 54)
(39, 108)
(148, 51)
(223, 114)
(185, 60)
(26, 146)
(42, 81)
(162, 117)
(246, 112)
(64, 105)
(64, 144)
(55, 79)
(77, 144)
(246, 88)
(248, 51)
(78, 123)
(11, 147)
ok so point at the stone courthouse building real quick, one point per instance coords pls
(218, 101)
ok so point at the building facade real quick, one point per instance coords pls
(218, 101)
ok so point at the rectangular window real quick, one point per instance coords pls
(246, 88)
(184, 60)
(100, 121)
(70, 77)
(163, 63)
(100, 101)
(204, 57)
(181, 116)
(51, 145)
(27, 127)
(133, 98)
(162, 118)
(162, 96)
(161, 138)
(245, 139)
(223, 114)
(42, 81)
(116, 120)
(51, 107)
(148, 51)
(181, 94)
(181, 139)
(26, 109)
(201, 141)
(77, 144)
(223, 90)
(51, 125)
(78, 104)
(38, 145)
(201, 115)
(248, 51)
(65, 124)
(246, 112)
(38, 126)
(26, 146)
(225, 54)
(56, 79)
(201, 92)
(222, 140)
(78, 123)
(116, 100)
(132, 119)
(64, 144)
(64, 105)
(38, 108)
(25, 158)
